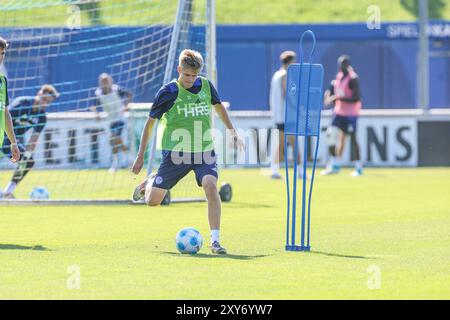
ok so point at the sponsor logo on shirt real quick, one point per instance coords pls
(193, 109)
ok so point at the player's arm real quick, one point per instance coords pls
(164, 100)
(37, 129)
(96, 106)
(328, 96)
(354, 85)
(11, 136)
(283, 85)
(145, 137)
(127, 95)
(32, 142)
(223, 115)
(9, 128)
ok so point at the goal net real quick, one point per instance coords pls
(101, 56)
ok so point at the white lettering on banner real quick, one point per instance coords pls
(75, 143)
(388, 142)
(383, 142)
(72, 143)
(402, 31)
(436, 30)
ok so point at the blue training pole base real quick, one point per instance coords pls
(298, 248)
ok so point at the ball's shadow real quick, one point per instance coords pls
(215, 256)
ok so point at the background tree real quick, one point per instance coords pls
(435, 7)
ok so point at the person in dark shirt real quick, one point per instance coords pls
(27, 113)
(166, 96)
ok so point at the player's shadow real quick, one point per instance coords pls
(233, 204)
(331, 254)
(216, 256)
(250, 205)
(19, 247)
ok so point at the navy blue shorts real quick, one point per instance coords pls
(175, 165)
(117, 127)
(6, 148)
(346, 124)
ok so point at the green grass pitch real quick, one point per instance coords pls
(385, 235)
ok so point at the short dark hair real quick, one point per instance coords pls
(287, 57)
(3, 43)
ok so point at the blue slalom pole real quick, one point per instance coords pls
(303, 99)
(305, 155)
(310, 191)
(288, 192)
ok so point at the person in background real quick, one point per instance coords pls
(278, 105)
(344, 93)
(27, 114)
(114, 100)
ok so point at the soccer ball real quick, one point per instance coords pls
(39, 193)
(189, 240)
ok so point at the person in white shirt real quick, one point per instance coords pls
(277, 105)
(114, 101)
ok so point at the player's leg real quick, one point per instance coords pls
(116, 144)
(341, 145)
(24, 165)
(332, 139)
(336, 143)
(207, 176)
(299, 158)
(154, 195)
(155, 187)
(209, 185)
(355, 150)
(278, 153)
(119, 141)
(114, 148)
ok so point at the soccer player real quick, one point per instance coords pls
(345, 94)
(114, 101)
(6, 124)
(184, 136)
(278, 105)
(27, 113)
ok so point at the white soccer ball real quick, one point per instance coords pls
(189, 240)
(39, 193)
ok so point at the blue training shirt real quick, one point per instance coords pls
(166, 96)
